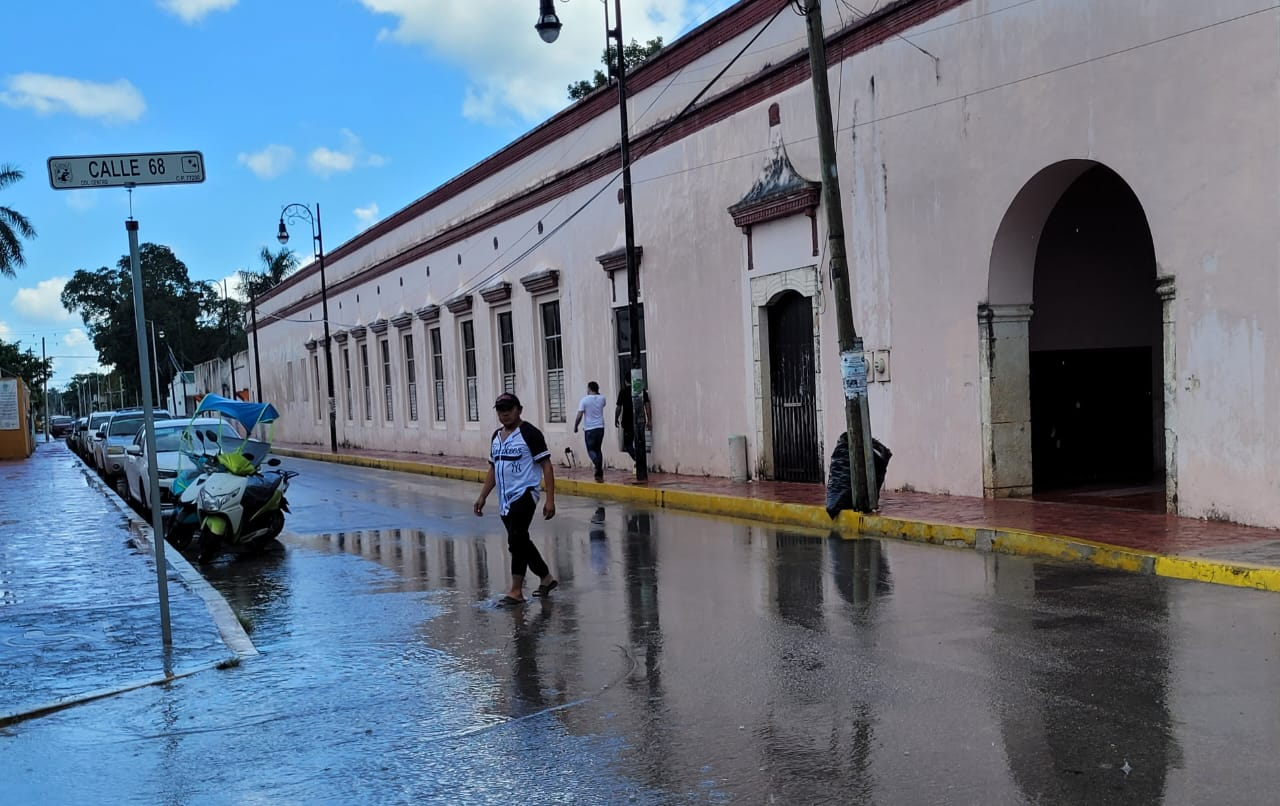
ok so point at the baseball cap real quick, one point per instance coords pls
(507, 399)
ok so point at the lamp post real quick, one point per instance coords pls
(548, 27)
(295, 212)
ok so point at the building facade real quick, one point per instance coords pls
(1059, 221)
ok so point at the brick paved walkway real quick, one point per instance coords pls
(1133, 529)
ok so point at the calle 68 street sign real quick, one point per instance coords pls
(126, 170)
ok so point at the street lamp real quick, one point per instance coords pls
(295, 212)
(548, 27)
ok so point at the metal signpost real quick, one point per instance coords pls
(129, 171)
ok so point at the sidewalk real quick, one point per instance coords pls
(1104, 536)
(79, 599)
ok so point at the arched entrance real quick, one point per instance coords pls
(796, 452)
(1074, 347)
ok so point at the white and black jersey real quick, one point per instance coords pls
(516, 461)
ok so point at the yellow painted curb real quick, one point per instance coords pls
(852, 525)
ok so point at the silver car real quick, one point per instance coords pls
(114, 436)
(174, 447)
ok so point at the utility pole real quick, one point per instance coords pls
(853, 368)
(44, 375)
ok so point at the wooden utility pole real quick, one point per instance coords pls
(853, 369)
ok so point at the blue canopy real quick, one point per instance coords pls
(247, 414)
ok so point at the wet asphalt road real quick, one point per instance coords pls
(683, 660)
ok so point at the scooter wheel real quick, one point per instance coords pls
(179, 535)
(210, 546)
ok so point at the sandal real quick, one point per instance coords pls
(545, 590)
(509, 601)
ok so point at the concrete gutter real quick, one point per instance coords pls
(852, 525)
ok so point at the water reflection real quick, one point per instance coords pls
(1092, 644)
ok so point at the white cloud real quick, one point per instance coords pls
(268, 163)
(326, 162)
(5, 331)
(191, 11)
(115, 102)
(75, 337)
(42, 302)
(510, 68)
(367, 215)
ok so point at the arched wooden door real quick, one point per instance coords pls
(796, 455)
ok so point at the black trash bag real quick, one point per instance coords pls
(840, 483)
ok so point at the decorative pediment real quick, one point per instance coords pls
(778, 192)
(541, 282)
(459, 304)
(341, 336)
(500, 292)
(379, 325)
(358, 332)
(402, 320)
(428, 313)
(617, 260)
(310, 344)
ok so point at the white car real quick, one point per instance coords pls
(171, 444)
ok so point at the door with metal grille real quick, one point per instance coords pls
(796, 456)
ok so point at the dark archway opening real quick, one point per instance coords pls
(1097, 415)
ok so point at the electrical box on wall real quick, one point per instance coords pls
(880, 365)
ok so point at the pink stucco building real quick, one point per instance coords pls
(1060, 220)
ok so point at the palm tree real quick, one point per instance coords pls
(12, 225)
(275, 267)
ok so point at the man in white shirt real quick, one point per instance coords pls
(591, 409)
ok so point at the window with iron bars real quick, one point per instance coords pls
(315, 367)
(364, 376)
(469, 371)
(346, 371)
(410, 378)
(384, 346)
(437, 373)
(553, 357)
(507, 352)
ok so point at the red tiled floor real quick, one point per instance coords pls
(1144, 531)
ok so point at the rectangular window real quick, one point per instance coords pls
(553, 354)
(306, 387)
(622, 337)
(469, 366)
(315, 366)
(507, 352)
(437, 373)
(388, 411)
(364, 377)
(410, 378)
(289, 394)
(346, 371)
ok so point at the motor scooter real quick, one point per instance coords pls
(241, 508)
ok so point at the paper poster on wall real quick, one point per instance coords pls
(9, 404)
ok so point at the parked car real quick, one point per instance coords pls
(85, 443)
(118, 432)
(174, 447)
(60, 425)
(73, 435)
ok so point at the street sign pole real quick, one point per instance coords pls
(130, 171)
(153, 478)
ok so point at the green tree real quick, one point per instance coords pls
(13, 225)
(195, 316)
(275, 267)
(635, 55)
(18, 363)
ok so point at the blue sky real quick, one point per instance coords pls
(361, 106)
